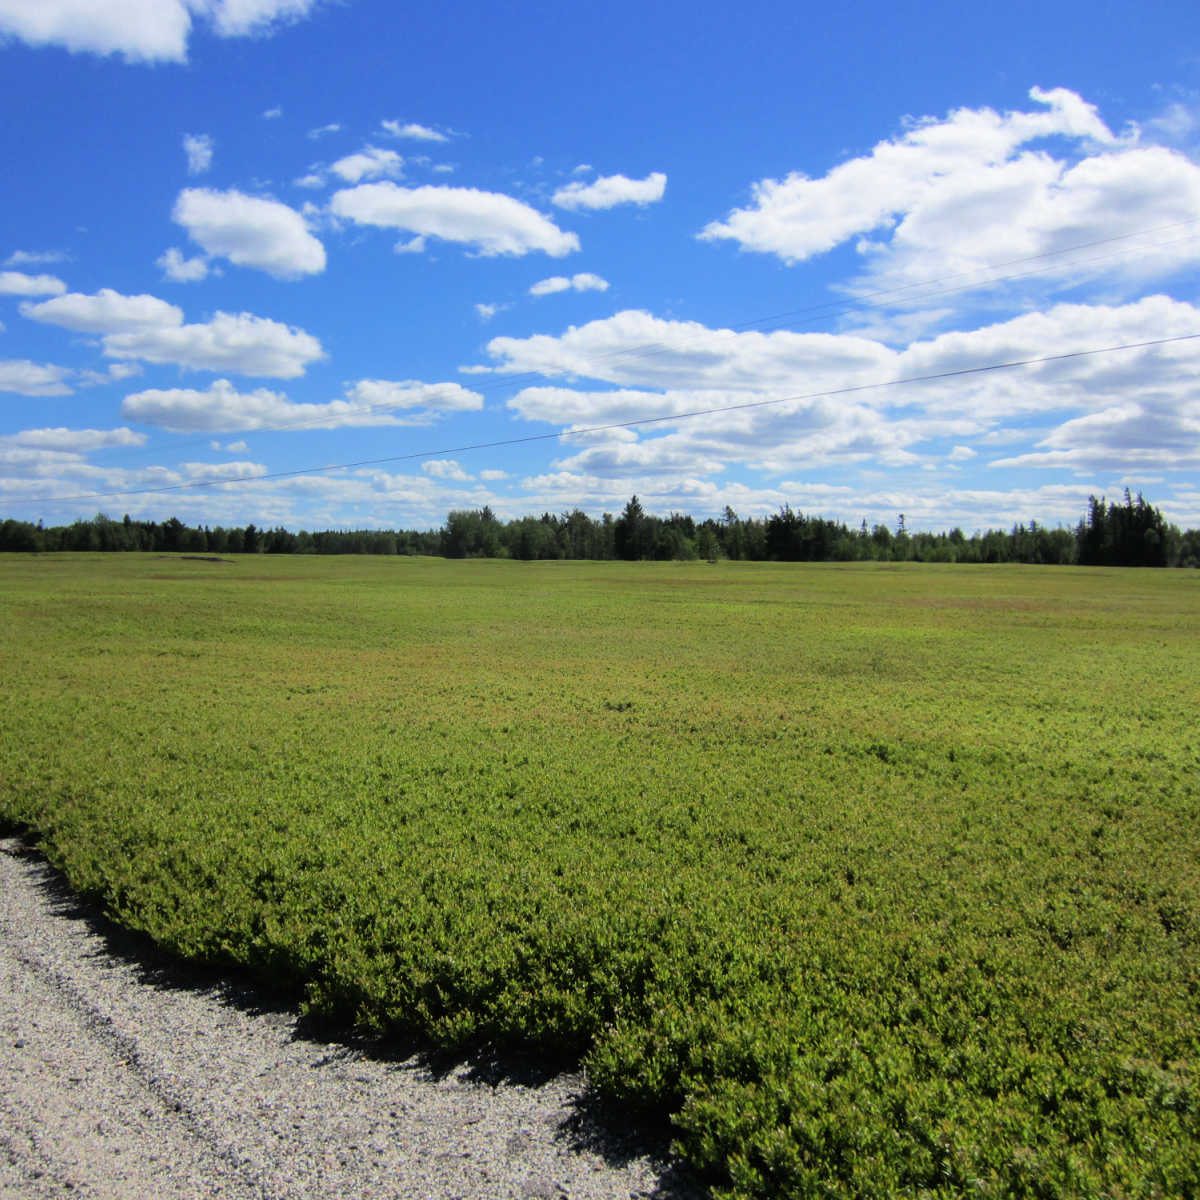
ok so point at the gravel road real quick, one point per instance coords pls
(120, 1077)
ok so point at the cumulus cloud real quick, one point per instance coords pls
(610, 190)
(547, 287)
(1153, 432)
(445, 468)
(117, 371)
(147, 329)
(774, 401)
(250, 231)
(633, 348)
(75, 441)
(16, 283)
(489, 222)
(585, 281)
(979, 190)
(384, 394)
(241, 18)
(412, 131)
(33, 379)
(199, 150)
(34, 258)
(140, 30)
(104, 312)
(368, 163)
(182, 270)
(240, 342)
(222, 408)
(486, 312)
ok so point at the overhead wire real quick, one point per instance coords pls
(878, 299)
(826, 310)
(637, 421)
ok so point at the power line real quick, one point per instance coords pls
(639, 421)
(815, 313)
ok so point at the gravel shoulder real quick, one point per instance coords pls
(122, 1077)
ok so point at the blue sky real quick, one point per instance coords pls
(247, 238)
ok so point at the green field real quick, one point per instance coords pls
(879, 880)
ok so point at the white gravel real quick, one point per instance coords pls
(119, 1078)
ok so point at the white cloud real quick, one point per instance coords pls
(633, 348)
(1178, 124)
(445, 468)
(75, 441)
(16, 283)
(322, 130)
(33, 258)
(492, 475)
(491, 223)
(139, 30)
(33, 379)
(199, 150)
(611, 190)
(547, 287)
(368, 163)
(151, 330)
(977, 191)
(486, 312)
(383, 394)
(116, 373)
(314, 179)
(1146, 433)
(775, 402)
(242, 343)
(234, 471)
(413, 131)
(414, 245)
(104, 312)
(240, 18)
(250, 232)
(221, 407)
(182, 270)
(272, 113)
(585, 281)
(238, 447)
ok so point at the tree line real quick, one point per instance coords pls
(1124, 533)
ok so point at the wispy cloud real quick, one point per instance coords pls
(199, 150)
(412, 131)
(612, 190)
(585, 281)
(489, 222)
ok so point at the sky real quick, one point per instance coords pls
(347, 263)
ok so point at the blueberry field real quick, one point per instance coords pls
(872, 879)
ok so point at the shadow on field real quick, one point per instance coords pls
(594, 1125)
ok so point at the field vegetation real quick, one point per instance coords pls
(877, 879)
